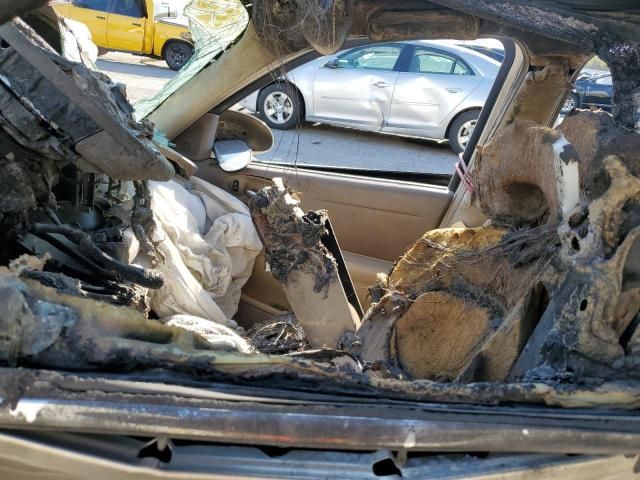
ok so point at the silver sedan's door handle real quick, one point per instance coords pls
(382, 84)
(453, 90)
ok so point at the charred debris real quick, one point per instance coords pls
(540, 304)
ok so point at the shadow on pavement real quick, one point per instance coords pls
(141, 70)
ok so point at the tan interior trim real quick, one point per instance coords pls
(389, 214)
(364, 272)
(260, 305)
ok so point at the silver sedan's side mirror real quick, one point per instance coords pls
(333, 63)
(232, 155)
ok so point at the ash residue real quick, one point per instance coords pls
(292, 240)
(281, 335)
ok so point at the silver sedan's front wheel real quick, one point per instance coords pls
(280, 106)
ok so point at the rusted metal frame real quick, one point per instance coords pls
(308, 427)
(66, 86)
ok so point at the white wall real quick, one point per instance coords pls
(171, 8)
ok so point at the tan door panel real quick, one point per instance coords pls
(375, 220)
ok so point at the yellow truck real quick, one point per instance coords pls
(132, 26)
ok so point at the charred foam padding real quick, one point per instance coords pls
(298, 259)
(623, 59)
(51, 110)
(556, 270)
(45, 327)
(528, 174)
(460, 303)
(70, 113)
(591, 309)
(595, 136)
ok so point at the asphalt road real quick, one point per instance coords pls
(313, 144)
(143, 76)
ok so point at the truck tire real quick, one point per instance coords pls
(177, 54)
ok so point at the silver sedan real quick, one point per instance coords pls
(427, 89)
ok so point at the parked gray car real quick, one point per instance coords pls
(427, 89)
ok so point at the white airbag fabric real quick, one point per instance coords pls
(207, 250)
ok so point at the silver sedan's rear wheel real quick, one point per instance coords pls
(280, 106)
(462, 129)
(464, 134)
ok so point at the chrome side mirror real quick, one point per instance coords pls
(232, 155)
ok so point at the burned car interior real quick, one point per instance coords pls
(158, 282)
